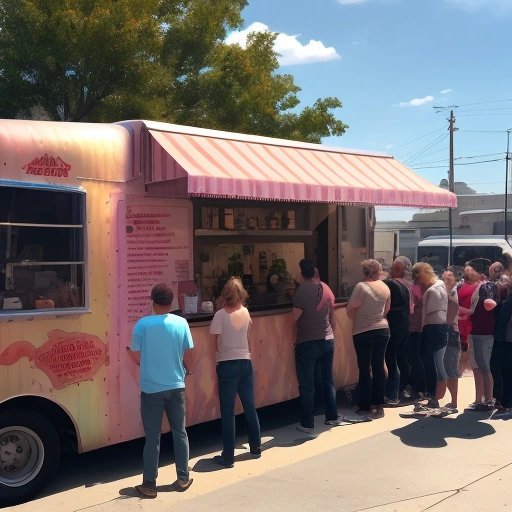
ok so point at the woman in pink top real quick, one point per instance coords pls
(465, 293)
(367, 308)
(230, 329)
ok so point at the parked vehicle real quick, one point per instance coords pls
(92, 216)
(435, 249)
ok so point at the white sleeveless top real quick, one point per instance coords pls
(232, 328)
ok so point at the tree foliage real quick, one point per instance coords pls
(105, 60)
(67, 56)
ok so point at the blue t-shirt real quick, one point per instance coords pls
(161, 341)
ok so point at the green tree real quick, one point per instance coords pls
(240, 90)
(68, 56)
(105, 60)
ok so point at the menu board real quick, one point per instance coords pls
(158, 250)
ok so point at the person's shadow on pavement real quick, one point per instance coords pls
(434, 432)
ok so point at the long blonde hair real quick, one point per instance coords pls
(233, 293)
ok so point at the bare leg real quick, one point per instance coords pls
(453, 387)
(479, 385)
(440, 389)
(488, 385)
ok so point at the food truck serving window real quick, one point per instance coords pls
(41, 249)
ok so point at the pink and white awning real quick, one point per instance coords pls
(230, 165)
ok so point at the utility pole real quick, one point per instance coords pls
(451, 185)
(507, 159)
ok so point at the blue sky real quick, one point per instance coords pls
(391, 62)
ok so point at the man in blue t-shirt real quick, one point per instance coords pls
(158, 344)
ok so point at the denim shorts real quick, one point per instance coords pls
(480, 349)
(452, 354)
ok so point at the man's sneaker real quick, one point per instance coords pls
(478, 407)
(491, 404)
(433, 403)
(389, 402)
(449, 409)
(219, 459)
(183, 485)
(406, 393)
(255, 452)
(146, 490)
(306, 430)
(503, 412)
(376, 412)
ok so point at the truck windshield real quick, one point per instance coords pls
(436, 256)
(463, 254)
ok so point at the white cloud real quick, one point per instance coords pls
(416, 102)
(351, 2)
(389, 146)
(476, 5)
(445, 91)
(290, 49)
(359, 42)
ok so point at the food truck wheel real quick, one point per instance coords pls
(29, 455)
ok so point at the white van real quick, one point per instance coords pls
(434, 249)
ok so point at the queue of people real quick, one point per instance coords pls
(445, 319)
(409, 330)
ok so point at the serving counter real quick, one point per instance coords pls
(272, 345)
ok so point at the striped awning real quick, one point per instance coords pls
(230, 165)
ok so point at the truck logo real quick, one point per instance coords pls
(65, 357)
(48, 166)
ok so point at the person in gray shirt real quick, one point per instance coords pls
(313, 309)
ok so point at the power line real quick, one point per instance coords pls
(430, 153)
(480, 115)
(479, 156)
(482, 131)
(484, 110)
(423, 150)
(418, 138)
(458, 158)
(461, 163)
(484, 103)
(481, 161)
(473, 104)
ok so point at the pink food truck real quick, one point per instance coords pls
(93, 215)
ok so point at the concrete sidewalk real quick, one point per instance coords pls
(391, 464)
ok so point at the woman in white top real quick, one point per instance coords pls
(435, 330)
(230, 329)
(367, 308)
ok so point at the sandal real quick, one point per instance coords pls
(421, 407)
(183, 485)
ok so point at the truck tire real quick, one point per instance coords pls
(29, 455)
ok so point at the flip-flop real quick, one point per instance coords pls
(416, 414)
(361, 419)
(183, 486)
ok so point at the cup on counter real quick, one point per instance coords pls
(207, 306)
(190, 304)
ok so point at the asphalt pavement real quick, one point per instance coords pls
(392, 464)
